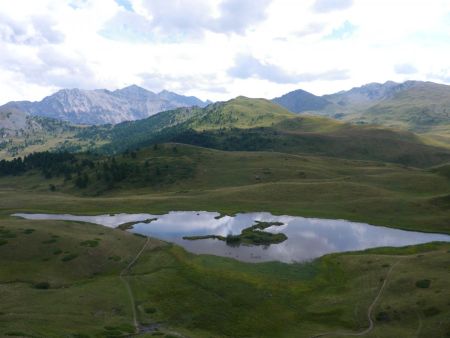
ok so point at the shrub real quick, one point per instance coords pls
(42, 285)
(7, 234)
(16, 334)
(114, 258)
(423, 283)
(233, 239)
(49, 241)
(126, 328)
(382, 316)
(69, 257)
(431, 311)
(112, 333)
(91, 244)
(150, 310)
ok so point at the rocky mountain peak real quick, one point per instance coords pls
(102, 106)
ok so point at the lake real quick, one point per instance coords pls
(308, 238)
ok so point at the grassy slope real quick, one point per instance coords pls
(77, 293)
(204, 296)
(242, 113)
(21, 134)
(422, 109)
(230, 182)
(257, 124)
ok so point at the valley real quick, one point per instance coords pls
(74, 269)
(224, 169)
(233, 159)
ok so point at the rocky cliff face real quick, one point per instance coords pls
(16, 123)
(369, 94)
(102, 106)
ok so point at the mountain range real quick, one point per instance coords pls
(350, 101)
(247, 124)
(412, 113)
(102, 106)
(413, 105)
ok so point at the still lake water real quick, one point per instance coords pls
(308, 238)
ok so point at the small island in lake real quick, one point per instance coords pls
(254, 235)
(129, 225)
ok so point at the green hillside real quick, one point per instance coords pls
(22, 134)
(237, 113)
(182, 177)
(299, 101)
(54, 285)
(342, 141)
(55, 277)
(421, 108)
(254, 125)
(72, 271)
(260, 125)
(241, 113)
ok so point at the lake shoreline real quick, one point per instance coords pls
(257, 237)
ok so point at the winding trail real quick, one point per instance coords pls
(419, 327)
(369, 313)
(123, 278)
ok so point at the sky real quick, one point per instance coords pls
(219, 49)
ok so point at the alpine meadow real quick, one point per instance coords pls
(224, 168)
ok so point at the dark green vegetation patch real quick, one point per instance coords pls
(253, 235)
(69, 257)
(423, 283)
(102, 173)
(42, 285)
(90, 243)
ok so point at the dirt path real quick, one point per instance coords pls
(369, 313)
(419, 327)
(123, 278)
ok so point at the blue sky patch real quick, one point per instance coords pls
(125, 4)
(342, 32)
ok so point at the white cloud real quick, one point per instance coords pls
(37, 30)
(246, 66)
(177, 20)
(218, 49)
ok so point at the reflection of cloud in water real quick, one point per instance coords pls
(110, 221)
(308, 238)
